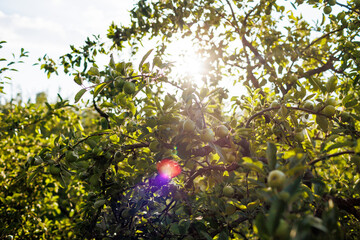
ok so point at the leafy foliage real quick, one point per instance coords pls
(90, 172)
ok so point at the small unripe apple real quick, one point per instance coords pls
(54, 170)
(230, 157)
(299, 136)
(222, 131)
(154, 146)
(230, 209)
(129, 88)
(329, 110)
(275, 104)
(327, 10)
(119, 82)
(228, 191)
(118, 156)
(331, 101)
(345, 117)
(276, 179)
(309, 105)
(189, 125)
(207, 135)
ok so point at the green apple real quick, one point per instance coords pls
(222, 131)
(276, 179)
(129, 88)
(331, 101)
(118, 156)
(345, 117)
(299, 135)
(332, 2)
(329, 110)
(119, 83)
(154, 146)
(228, 191)
(207, 135)
(230, 209)
(230, 157)
(275, 104)
(327, 10)
(189, 125)
(309, 105)
(54, 170)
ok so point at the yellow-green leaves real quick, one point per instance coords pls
(99, 88)
(94, 71)
(323, 122)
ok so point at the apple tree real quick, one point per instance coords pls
(267, 147)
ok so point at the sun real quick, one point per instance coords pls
(186, 62)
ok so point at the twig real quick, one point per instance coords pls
(329, 156)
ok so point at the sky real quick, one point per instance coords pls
(50, 27)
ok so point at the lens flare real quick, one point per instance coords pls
(168, 168)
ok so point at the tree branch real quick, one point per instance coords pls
(329, 156)
(247, 125)
(328, 65)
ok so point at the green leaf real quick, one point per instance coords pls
(99, 88)
(79, 95)
(271, 155)
(99, 203)
(260, 224)
(78, 79)
(144, 58)
(94, 71)
(205, 235)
